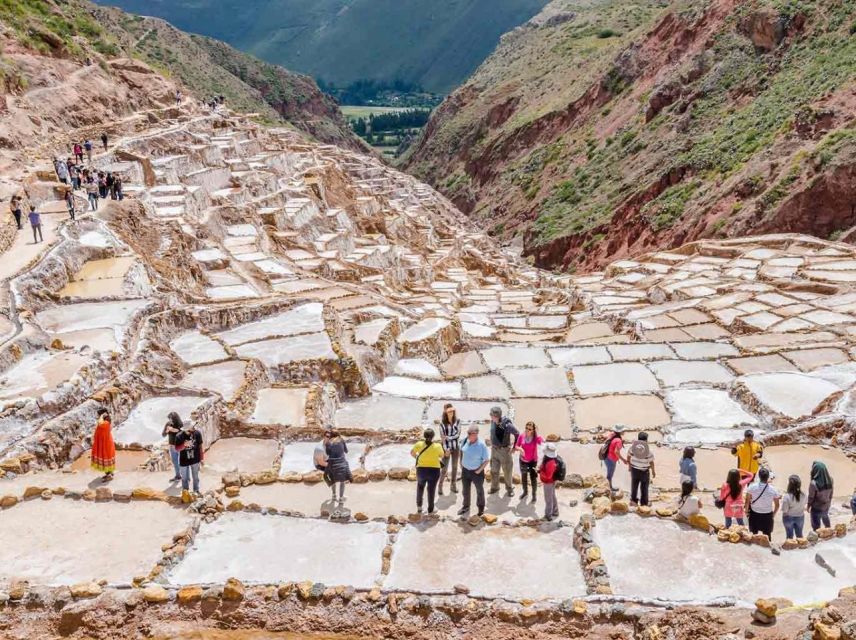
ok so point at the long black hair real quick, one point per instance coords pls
(795, 486)
(175, 420)
(444, 419)
(686, 491)
(733, 481)
(689, 452)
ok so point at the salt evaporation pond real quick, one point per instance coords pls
(306, 318)
(417, 367)
(285, 350)
(423, 329)
(112, 541)
(415, 388)
(298, 457)
(547, 566)
(653, 558)
(38, 373)
(710, 408)
(538, 382)
(224, 378)
(195, 348)
(145, 422)
(281, 405)
(501, 357)
(626, 377)
(389, 457)
(791, 394)
(387, 413)
(88, 315)
(249, 547)
(248, 455)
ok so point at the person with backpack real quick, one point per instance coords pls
(429, 457)
(474, 458)
(731, 496)
(549, 472)
(642, 470)
(762, 503)
(528, 444)
(190, 455)
(610, 453)
(108, 182)
(171, 429)
(503, 436)
(819, 495)
(450, 437)
(61, 171)
(687, 467)
(794, 504)
(338, 468)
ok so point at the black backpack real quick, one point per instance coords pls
(561, 470)
(604, 448)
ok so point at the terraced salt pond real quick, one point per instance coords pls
(303, 319)
(196, 348)
(312, 346)
(225, 378)
(281, 405)
(39, 372)
(144, 424)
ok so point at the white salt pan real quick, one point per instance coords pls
(707, 408)
(145, 422)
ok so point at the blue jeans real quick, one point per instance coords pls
(793, 526)
(818, 517)
(610, 470)
(729, 520)
(173, 454)
(185, 477)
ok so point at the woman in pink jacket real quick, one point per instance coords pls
(731, 496)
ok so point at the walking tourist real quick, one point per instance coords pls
(36, 223)
(171, 429)
(474, 459)
(762, 503)
(748, 453)
(69, 203)
(190, 455)
(61, 170)
(610, 453)
(74, 174)
(15, 208)
(429, 457)
(794, 504)
(687, 467)
(527, 445)
(642, 470)
(102, 185)
(103, 454)
(87, 146)
(103, 142)
(92, 193)
(117, 187)
(450, 438)
(77, 150)
(731, 496)
(338, 469)
(108, 182)
(549, 472)
(688, 504)
(503, 436)
(819, 495)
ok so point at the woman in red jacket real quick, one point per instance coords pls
(547, 473)
(103, 455)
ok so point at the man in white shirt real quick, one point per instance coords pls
(762, 503)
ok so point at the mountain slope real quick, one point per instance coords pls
(435, 44)
(603, 128)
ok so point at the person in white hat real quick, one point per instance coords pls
(549, 466)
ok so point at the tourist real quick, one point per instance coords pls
(548, 472)
(74, 173)
(429, 457)
(190, 455)
(642, 469)
(171, 429)
(687, 467)
(610, 453)
(338, 469)
(92, 193)
(36, 223)
(762, 503)
(117, 187)
(474, 458)
(77, 150)
(450, 438)
(108, 182)
(103, 142)
(177, 98)
(15, 208)
(69, 203)
(853, 503)
(87, 146)
(103, 455)
(688, 504)
(503, 436)
(61, 171)
(527, 445)
(793, 508)
(102, 185)
(748, 453)
(819, 495)
(731, 496)
(319, 460)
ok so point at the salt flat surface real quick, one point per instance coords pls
(111, 541)
(196, 348)
(538, 382)
(575, 356)
(707, 408)
(704, 350)
(281, 405)
(303, 319)
(369, 332)
(633, 410)
(423, 329)
(417, 367)
(231, 292)
(490, 386)
(792, 394)
(674, 373)
(284, 350)
(145, 422)
(389, 456)
(224, 378)
(247, 455)
(614, 378)
(244, 546)
(468, 554)
(388, 413)
(415, 388)
(652, 558)
(39, 372)
(500, 357)
(88, 315)
(94, 239)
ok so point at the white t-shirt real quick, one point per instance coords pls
(761, 501)
(689, 507)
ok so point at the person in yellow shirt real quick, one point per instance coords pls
(429, 460)
(748, 453)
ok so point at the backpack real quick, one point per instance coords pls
(561, 470)
(603, 452)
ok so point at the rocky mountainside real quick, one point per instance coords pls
(65, 47)
(435, 44)
(601, 129)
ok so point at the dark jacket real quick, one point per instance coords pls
(338, 469)
(190, 445)
(503, 434)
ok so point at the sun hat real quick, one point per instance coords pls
(550, 450)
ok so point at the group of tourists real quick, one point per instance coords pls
(16, 208)
(747, 495)
(186, 449)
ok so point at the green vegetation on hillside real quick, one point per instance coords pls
(388, 129)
